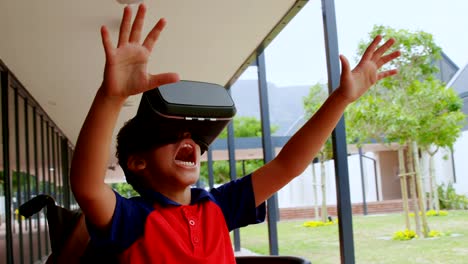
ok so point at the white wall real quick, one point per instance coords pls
(300, 191)
(450, 170)
(443, 168)
(461, 164)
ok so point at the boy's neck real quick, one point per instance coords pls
(183, 197)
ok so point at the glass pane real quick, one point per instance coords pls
(247, 123)
(3, 243)
(17, 179)
(58, 166)
(44, 179)
(31, 186)
(295, 63)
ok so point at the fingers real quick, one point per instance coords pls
(368, 54)
(344, 64)
(377, 54)
(154, 34)
(132, 33)
(388, 73)
(137, 27)
(163, 78)
(106, 41)
(382, 49)
(388, 58)
(125, 25)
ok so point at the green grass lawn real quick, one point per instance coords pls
(372, 240)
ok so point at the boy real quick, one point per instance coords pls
(173, 222)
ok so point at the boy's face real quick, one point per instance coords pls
(174, 165)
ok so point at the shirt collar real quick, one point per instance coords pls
(197, 195)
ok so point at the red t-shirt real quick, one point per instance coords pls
(154, 229)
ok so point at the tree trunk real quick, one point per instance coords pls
(324, 191)
(430, 192)
(421, 194)
(414, 196)
(427, 182)
(404, 188)
(315, 184)
(435, 193)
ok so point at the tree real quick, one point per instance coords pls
(124, 189)
(411, 108)
(384, 113)
(440, 122)
(244, 126)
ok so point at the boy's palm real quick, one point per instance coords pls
(126, 65)
(356, 82)
(126, 72)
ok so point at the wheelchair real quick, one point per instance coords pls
(69, 238)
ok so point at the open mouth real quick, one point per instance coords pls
(186, 154)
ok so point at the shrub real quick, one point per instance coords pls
(435, 233)
(449, 199)
(410, 234)
(432, 213)
(404, 235)
(319, 223)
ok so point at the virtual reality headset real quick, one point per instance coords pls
(200, 108)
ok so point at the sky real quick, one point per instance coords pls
(297, 55)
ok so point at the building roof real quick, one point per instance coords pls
(447, 68)
(459, 83)
(54, 47)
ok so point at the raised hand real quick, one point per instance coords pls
(125, 72)
(356, 82)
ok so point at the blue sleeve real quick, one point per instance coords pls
(237, 201)
(126, 227)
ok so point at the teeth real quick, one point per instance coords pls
(188, 149)
(186, 163)
(188, 146)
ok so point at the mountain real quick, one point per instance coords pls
(285, 104)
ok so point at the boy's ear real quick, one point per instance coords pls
(136, 163)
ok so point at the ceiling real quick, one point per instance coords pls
(54, 47)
